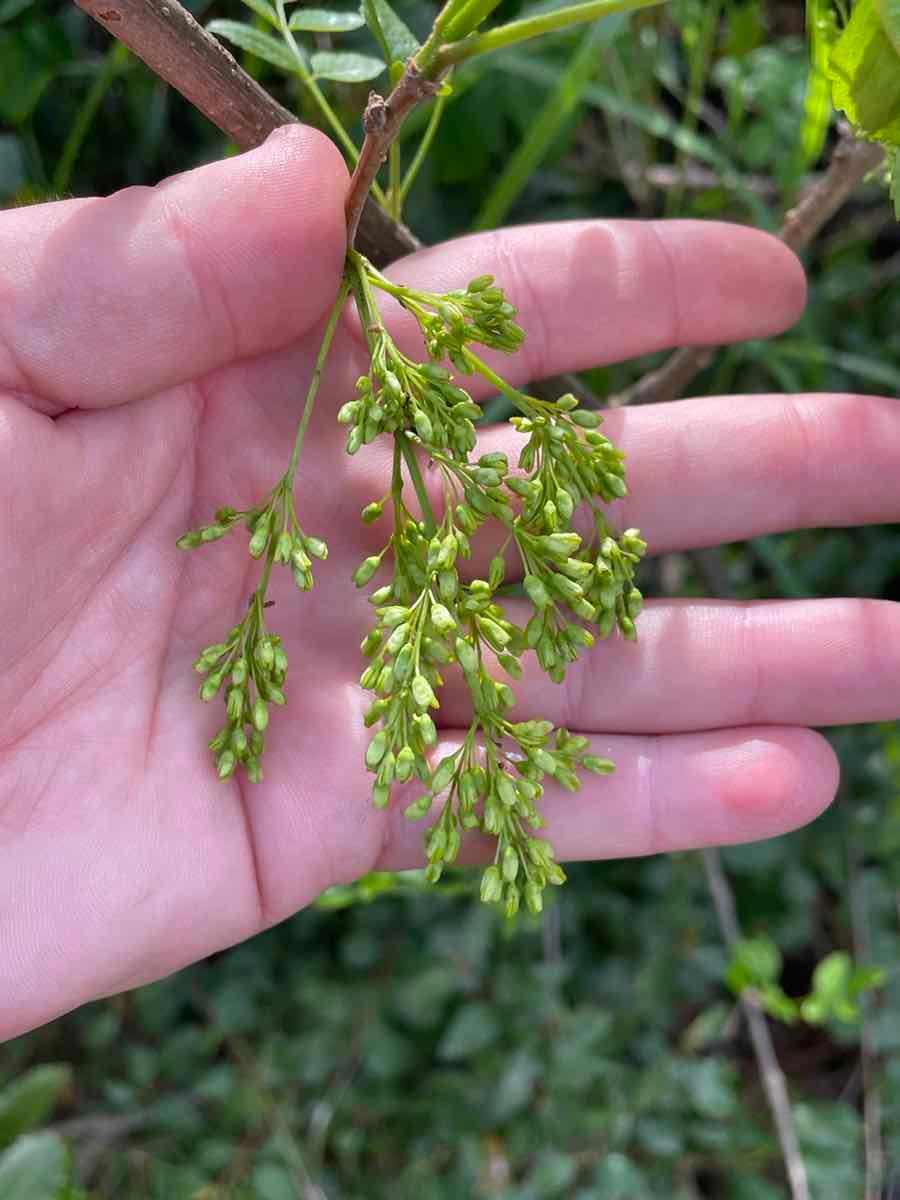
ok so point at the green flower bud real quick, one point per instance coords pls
(264, 652)
(260, 714)
(381, 794)
(398, 638)
(600, 766)
(419, 808)
(235, 703)
(426, 729)
(567, 403)
(226, 764)
(189, 541)
(403, 664)
(423, 425)
(238, 741)
(564, 504)
(443, 773)
(366, 570)
(506, 790)
(511, 899)
(448, 585)
(372, 511)
(212, 533)
(510, 865)
(561, 545)
(586, 418)
(436, 843)
(491, 885)
(487, 477)
(534, 898)
(495, 634)
(393, 614)
(260, 540)
(498, 570)
(347, 413)
(466, 656)
(284, 547)
(354, 440)
(406, 761)
(422, 693)
(316, 547)
(441, 618)
(377, 749)
(536, 591)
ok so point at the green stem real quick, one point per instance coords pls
(114, 62)
(306, 78)
(395, 195)
(423, 147)
(430, 48)
(522, 402)
(700, 59)
(529, 27)
(542, 131)
(415, 474)
(309, 404)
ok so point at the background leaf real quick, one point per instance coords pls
(34, 1168)
(345, 66)
(324, 20)
(263, 45)
(29, 1100)
(396, 39)
(864, 69)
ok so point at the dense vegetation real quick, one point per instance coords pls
(396, 1042)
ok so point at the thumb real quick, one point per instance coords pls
(103, 301)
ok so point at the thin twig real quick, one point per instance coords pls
(851, 162)
(175, 47)
(770, 1073)
(874, 1146)
(382, 121)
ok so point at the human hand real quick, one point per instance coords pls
(154, 349)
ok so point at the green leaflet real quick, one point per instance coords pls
(394, 37)
(864, 69)
(822, 30)
(35, 1168)
(263, 9)
(263, 45)
(894, 173)
(322, 20)
(889, 11)
(345, 67)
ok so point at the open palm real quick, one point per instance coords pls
(154, 350)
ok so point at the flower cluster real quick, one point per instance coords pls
(430, 622)
(252, 659)
(255, 666)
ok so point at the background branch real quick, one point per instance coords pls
(851, 162)
(770, 1073)
(167, 38)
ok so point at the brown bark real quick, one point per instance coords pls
(175, 47)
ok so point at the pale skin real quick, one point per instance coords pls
(154, 350)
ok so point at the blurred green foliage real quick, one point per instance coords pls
(394, 1043)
